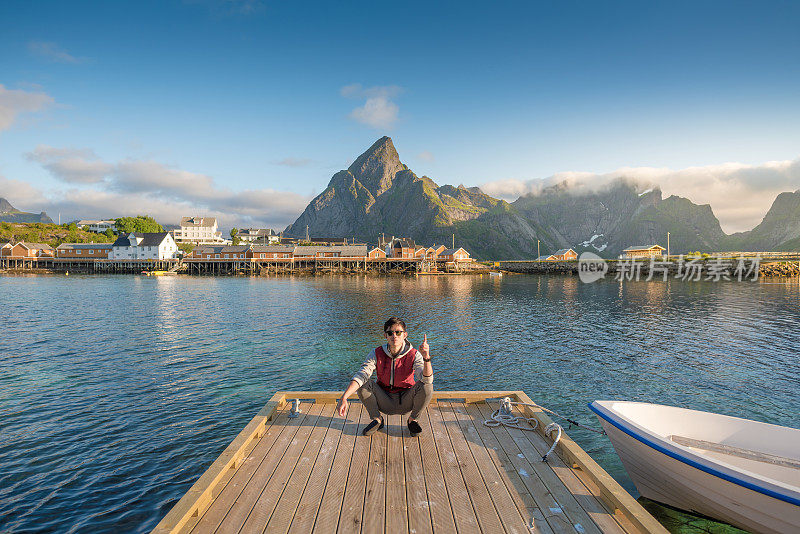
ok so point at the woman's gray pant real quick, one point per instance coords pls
(376, 400)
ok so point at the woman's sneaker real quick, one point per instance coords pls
(373, 427)
(414, 428)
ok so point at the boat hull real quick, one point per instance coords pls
(663, 478)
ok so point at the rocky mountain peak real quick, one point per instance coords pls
(5, 206)
(376, 168)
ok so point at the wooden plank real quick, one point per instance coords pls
(586, 500)
(419, 516)
(463, 509)
(438, 503)
(330, 506)
(290, 499)
(512, 518)
(374, 517)
(488, 515)
(530, 471)
(333, 396)
(253, 486)
(228, 489)
(200, 495)
(623, 520)
(520, 493)
(261, 511)
(396, 506)
(615, 495)
(307, 508)
(533, 447)
(356, 484)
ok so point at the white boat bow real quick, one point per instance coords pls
(740, 471)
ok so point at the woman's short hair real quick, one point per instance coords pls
(393, 321)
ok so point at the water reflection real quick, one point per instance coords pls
(169, 369)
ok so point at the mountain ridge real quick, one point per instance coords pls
(378, 194)
(9, 213)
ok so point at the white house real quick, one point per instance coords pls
(98, 226)
(144, 246)
(198, 230)
(262, 235)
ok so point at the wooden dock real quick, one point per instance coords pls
(317, 473)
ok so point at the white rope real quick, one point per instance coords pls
(504, 416)
(549, 430)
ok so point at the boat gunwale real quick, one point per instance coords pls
(688, 457)
(200, 496)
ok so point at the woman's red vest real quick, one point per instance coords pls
(403, 370)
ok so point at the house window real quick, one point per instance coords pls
(77, 252)
(91, 251)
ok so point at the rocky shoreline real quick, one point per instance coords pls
(706, 267)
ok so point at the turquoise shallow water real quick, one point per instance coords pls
(117, 392)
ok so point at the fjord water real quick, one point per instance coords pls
(117, 392)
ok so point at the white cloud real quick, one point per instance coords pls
(79, 166)
(739, 194)
(378, 111)
(21, 195)
(53, 52)
(14, 102)
(132, 187)
(426, 156)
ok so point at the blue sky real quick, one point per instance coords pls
(244, 109)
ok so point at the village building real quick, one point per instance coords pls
(258, 235)
(98, 226)
(84, 251)
(565, 254)
(335, 251)
(645, 251)
(144, 246)
(545, 257)
(27, 250)
(198, 230)
(454, 254)
(376, 253)
(270, 252)
(219, 252)
(401, 247)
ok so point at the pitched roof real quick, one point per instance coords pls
(404, 242)
(544, 257)
(90, 222)
(149, 239)
(83, 246)
(562, 251)
(38, 246)
(234, 248)
(219, 249)
(199, 221)
(258, 232)
(272, 248)
(343, 250)
(451, 251)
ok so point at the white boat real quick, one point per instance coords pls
(743, 472)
